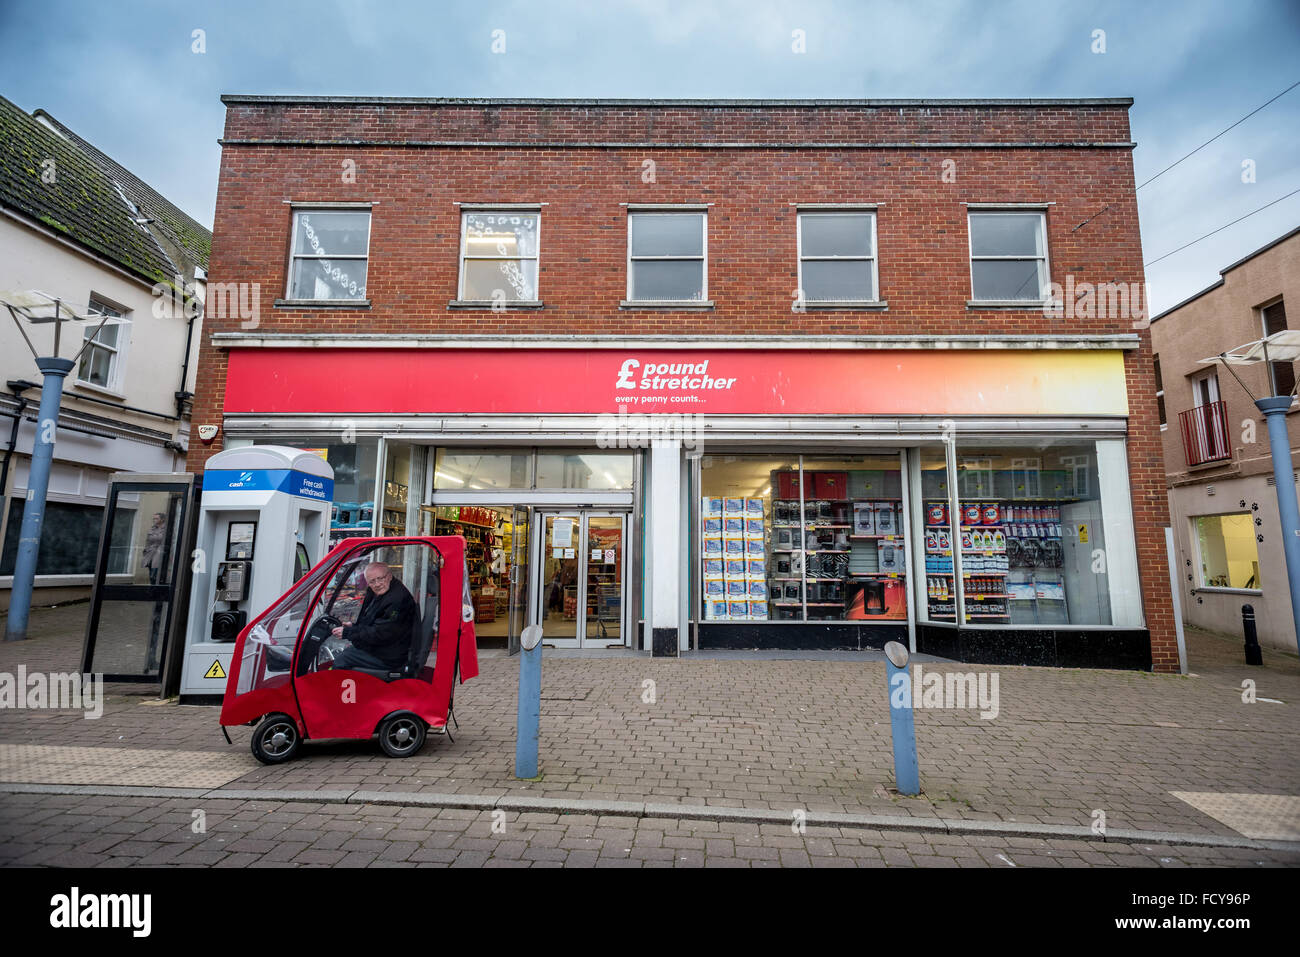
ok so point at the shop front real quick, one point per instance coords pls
(973, 503)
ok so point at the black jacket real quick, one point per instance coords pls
(386, 625)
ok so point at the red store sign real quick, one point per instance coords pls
(731, 382)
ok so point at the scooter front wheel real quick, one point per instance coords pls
(276, 739)
(402, 734)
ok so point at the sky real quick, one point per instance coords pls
(128, 76)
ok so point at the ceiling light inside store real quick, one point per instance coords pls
(448, 478)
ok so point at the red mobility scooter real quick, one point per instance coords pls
(283, 678)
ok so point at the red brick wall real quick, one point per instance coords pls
(585, 161)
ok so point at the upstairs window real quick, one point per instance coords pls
(837, 257)
(667, 259)
(1281, 374)
(103, 363)
(498, 255)
(1160, 392)
(329, 255)
(1008, 256)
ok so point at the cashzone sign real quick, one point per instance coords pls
(269, 480)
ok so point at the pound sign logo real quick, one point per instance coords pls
(625, 375)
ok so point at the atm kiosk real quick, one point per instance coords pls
(264, 520)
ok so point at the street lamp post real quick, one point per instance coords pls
(38, 308)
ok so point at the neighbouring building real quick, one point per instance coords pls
(1222, 495)
(79, 227)
(714, 374)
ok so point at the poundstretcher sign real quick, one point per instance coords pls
(719, 382)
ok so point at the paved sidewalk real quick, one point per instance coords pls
(774, 734)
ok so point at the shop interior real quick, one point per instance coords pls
(802, 538)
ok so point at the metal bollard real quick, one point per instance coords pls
(903, 728)
(1253, 654)
(530, 702)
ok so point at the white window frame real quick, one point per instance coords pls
(295, 254)
(504, 210)
(971, 257)
(874, 258)
(1195, 539)
(703, 258)
(117, 364)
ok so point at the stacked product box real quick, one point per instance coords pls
(734, 559)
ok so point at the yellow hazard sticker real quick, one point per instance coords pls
(1083, 534)
(216, 671)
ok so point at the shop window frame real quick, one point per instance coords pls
(906, 501)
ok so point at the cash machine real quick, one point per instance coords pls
(264, 520)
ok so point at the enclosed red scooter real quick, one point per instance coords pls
(282, 671)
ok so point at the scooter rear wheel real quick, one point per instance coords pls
(402, 734)
(276, 739)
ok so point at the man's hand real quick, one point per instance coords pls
(337, 632)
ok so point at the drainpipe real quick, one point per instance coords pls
(17, 387)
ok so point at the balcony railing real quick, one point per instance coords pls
(1205, 434)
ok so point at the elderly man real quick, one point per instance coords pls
(381, 637)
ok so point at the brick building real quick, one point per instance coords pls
(708, 374)
(1222, 495)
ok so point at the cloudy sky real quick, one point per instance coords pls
(126, 76)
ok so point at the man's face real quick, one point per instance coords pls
(378, 579)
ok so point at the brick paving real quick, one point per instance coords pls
(775, 734)
(99, 831)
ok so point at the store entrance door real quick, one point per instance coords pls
(580, 583)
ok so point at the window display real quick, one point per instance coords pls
(940, 579)
(812, 540)
(1033, 540)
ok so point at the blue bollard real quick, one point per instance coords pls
(530, 702)
(902, 726)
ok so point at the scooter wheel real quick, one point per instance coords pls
(402, 734)
(276, 739)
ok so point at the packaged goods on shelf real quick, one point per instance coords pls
(733, 507)
(757, 610)
(864, 522)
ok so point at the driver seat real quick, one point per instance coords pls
(423, 631)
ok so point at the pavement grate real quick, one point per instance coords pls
(1265, 817)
